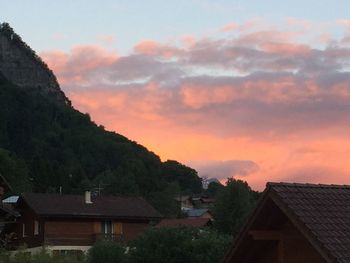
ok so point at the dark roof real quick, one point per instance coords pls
(101, 207)
(324, 211)
(194, 222)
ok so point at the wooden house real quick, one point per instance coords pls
(64, 223)
(301, 223)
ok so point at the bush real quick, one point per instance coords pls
(4, 256)
(179, 245)
(107, 252)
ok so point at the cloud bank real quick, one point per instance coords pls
(252, 92)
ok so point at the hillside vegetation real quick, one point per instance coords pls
(45, 146)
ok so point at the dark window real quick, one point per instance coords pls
(107, 227)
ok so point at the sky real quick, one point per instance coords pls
(256, 90)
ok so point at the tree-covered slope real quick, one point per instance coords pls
(45, 145)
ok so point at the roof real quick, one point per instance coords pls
(197, 212)
(324, 211)
(102, 207)
(11, 199)
(320, 212)
(194, 222)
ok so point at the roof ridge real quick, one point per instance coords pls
(306, 185)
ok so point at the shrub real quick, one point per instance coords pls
(107, 252)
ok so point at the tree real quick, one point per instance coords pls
(234, 202)
(186, 177)
(214, 189)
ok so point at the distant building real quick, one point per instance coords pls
(301, 223)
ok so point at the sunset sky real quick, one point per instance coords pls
(258, 90)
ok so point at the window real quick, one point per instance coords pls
(36, 227)
(24, 230)
(107, 227)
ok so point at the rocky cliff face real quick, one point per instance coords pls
(20, 65)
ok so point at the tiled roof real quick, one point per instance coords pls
(194, 222)
(102, 206)
(323, 210)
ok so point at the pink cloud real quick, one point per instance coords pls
(230, 27)
(153, 48)
(74, 66)
(261, 96)
(287, 49)
(345, 23)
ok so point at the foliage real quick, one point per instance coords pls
(186, 177)
(107, 252)
(179, 245)
(4, 256)
(22, 256)
(214, 189)
(234, 202)
(164, 200)
(15, 170)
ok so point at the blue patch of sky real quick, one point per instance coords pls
(47, 25)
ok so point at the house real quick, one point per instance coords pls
(74, 223)
(296, 223)
(191, 222)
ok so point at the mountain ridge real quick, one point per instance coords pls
(23, 67)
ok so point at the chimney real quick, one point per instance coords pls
(88, 197)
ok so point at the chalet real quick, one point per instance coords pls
(191, 222)
(71, 223)
(296, 223)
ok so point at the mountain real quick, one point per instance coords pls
(20, 64)
(48, 146)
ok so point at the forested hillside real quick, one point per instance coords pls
(45, 145)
